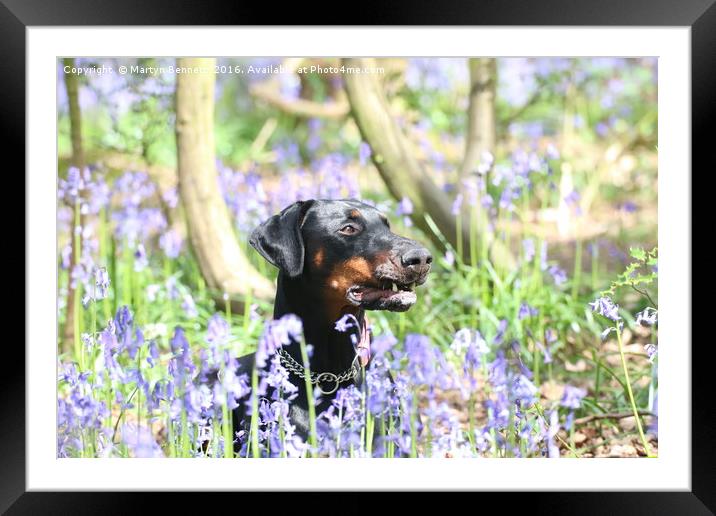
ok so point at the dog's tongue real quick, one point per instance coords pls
(368, 295)
(363, 346)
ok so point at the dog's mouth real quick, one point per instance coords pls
(389, 294)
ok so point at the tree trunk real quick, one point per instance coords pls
(403, 174)
(222, 263)
(481, 113)
(72, 87)
(401, 171)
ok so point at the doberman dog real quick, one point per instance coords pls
(335, 257)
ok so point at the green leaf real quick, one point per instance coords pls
(637, 253)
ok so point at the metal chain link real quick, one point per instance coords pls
(317, 378)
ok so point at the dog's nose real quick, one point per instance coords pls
(417, 259)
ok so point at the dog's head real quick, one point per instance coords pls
(345, 249)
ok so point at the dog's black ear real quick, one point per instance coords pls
(279, 239)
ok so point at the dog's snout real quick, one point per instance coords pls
(417, 258)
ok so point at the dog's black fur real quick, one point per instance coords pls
(334, 257)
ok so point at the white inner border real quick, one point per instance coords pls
(671, 470)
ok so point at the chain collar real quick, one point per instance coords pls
(291, 365)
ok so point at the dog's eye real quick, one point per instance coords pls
(348, 229)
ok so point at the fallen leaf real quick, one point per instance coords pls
(627, 423)
(579, 367)
(579, 438)
(552, 390)
(623, 450)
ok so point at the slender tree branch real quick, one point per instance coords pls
(645, 294)
(269, 92)
(610, 415)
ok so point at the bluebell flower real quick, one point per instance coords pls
(653, 427)
(497, 372)
(140, 441)
(606, 307)
(364, 153)
(217, 331)
(647, 317)
(552, 152)
(140, 258)
(486, 162)
(101, 283)
(278, 333)
(629, 207)
(426, 364)
(553, 429)
(456, 205)
(501, 329)
(69, 189)
(558, 275)
(449, 258)
(171, 243)
(346, 322)
(189, 306)
(572, 199)
(405, 208)
(528, 245)
(526, 311)
(546, 351)
(172, 288)
(572, 397)
(523, 390)
(171, 197)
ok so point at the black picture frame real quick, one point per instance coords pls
(700, 15)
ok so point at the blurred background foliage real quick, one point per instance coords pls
(569, 186)
(600, 113)
(596, 116)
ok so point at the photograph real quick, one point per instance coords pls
(357, 257)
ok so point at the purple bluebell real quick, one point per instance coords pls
(426, 364)
(606, 307)
(523, 390)
(171, 197)
(653, 427)
(449, 258)
(364, 153)
(140, 258)
(552, 152)
(526, 311)
(313, 142)
(572, 200)
(217, 331)
(552, 430)
(69, 189)
(101, 283)
(647, 317)
(558, 274)
(189, 306)
(572, 397)
(404, 209)
(528, 245)
(171, 243)
(346, 322)
(172, 287)
(456, 205)
(629, 207)
(278, 333)
(501, 329)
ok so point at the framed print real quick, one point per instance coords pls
(441, 257)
